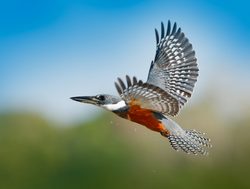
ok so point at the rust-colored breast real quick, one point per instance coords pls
(144, 117)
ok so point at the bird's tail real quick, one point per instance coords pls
(190, 141)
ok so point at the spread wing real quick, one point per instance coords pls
(147, 96)
(174, 68)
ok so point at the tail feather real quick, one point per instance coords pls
(190, 141)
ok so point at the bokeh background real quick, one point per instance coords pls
(52, 50)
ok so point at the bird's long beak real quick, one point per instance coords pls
(86, 99)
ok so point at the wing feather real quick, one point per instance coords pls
(147, 96)
(156, 36)
(174, 68)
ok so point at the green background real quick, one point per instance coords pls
(109, 152)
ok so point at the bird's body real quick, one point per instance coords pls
(144, 117)
(170, 83)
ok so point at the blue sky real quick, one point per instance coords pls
(51, 50)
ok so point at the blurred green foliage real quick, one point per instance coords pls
(35, 153)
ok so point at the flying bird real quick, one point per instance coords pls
(171, 79)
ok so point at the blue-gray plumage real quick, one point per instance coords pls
(174, 68)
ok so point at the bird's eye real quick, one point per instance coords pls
(100, 97)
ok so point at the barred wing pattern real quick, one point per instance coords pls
(174, 68)
(147, 96)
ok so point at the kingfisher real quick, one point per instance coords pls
(171, 79)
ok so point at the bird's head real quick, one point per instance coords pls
(109, 102)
